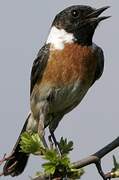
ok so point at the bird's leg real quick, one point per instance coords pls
(52, 139)
(42, 117)
(52, 126)
(99, 168)
(41, 131)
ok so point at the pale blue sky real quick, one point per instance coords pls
(24, 26)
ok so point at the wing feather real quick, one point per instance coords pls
(39, 65)
(100, 64)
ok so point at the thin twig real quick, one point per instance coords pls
(96, 157)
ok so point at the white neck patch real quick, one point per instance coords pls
(58, 38)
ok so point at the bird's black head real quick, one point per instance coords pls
(81, 21)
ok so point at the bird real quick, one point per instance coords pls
(67, 65)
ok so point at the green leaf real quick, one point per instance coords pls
(116, 164)
(65, 147)
(56, 163)
(51, 155)
(37, 175)
(49, 168)
(75, 173)
(65, 161)
(115, 170)
(31, 143)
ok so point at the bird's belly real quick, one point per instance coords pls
(60, 99)
(67, 97)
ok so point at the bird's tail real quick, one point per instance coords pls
(17, 163)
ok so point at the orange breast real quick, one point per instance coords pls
(70, 64)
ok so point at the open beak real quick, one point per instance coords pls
(94, 16)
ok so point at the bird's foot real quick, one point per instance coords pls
(51, 142)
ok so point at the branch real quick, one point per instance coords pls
(93, 159)
(96, 157)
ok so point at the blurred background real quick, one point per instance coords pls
(24, 27)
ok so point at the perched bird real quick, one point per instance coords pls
(65, 68)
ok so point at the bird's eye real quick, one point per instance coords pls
(75, 13)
